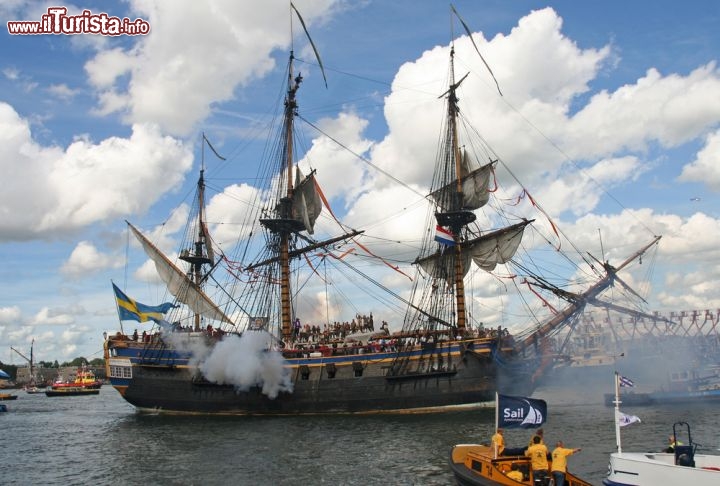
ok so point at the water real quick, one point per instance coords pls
(100, 440)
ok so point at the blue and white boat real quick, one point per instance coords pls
(680, 466)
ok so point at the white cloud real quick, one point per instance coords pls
(86, 259)
(10, 315)
(56, 317)
(62, 91)
(706, 167)
(58, 190)
(197, 55)
(669, 110)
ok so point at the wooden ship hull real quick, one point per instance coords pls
(352, 384)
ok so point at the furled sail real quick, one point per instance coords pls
(486, 251)
(307, 204)
(179, 284)
(474, 182)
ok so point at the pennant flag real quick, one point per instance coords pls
(625, 381)
(624, 419)
(4, 376)
(131, 310)
(444, 236)
(520, 412)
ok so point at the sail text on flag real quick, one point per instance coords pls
(520, 412)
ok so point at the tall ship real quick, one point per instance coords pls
(654, 348)
(250, 347)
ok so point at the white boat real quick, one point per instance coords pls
(678, 466)
(653, 469)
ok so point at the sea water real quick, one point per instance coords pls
(101, 440)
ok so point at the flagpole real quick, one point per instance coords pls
(497, 418)
(618, 440)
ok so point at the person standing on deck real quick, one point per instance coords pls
(538, 433)
(559, 462)
(498, 442)
(538, 455)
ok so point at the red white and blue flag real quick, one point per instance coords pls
(444, 236)
(625, 381)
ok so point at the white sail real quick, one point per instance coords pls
(497, 247)
(179, 284)
(307, 204)
(487, 251)
(474, 184)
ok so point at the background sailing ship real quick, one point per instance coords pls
(260, 345)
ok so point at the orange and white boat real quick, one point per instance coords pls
(84, 378)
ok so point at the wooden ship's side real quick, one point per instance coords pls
(357, 382)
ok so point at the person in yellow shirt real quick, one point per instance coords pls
(671, 444)
(538, 454)
(559, 462)
(498, 442)
(515, 472)
(538, 433)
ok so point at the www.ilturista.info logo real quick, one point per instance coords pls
(57, 22)
(523, 415)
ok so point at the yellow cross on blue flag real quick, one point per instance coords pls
(132, 310)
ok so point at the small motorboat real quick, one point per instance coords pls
(475, 465)
(84, 378)
(681, 466)
(71, 391)
(3, 407)
(7, 396)
(480, 465)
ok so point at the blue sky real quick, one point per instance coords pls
(611, 111)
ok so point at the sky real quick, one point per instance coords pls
(610, 111)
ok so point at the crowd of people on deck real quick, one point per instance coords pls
(334, 332)
(357, 336)
(543, 463)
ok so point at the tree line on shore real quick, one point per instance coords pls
(11, 369)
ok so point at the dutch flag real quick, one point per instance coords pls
(624, 381)
(444, 236)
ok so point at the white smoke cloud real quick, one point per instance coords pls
(242, 361)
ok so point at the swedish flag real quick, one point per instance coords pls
(131, 310)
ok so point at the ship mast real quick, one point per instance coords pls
(286, 203)
(283, 225)
(578, 301)
(456, 218)
(201, 253)
(299, 204)
(30, 360)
